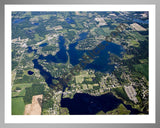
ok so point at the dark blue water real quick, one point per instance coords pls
(46, 75)
(69, 20)
(30, 72)
(29, 30)
(17, 21)
(141, 21)
(44, 44)
(85, 104)
(60, 57)
(36, 23)
(100, 62)
(75, 54)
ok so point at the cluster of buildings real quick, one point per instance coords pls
(131, 93)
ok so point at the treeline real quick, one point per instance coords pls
(14, 64)
(121, 93)
(47, 99)
(70, 35)
(18, 29)
(26, 79)
(49, 48)
(141, 52)
(36, 89)
(98, 76)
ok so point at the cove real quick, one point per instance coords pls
(46, 75)
(60, 57)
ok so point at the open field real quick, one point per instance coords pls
(22, 91)
(143, 61)
(137, 27)
(80, 78)
(35, 107)
(18, 106)
(134, 43)
(121, 110)
(120, 92)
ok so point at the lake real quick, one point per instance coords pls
(30, 72)
(43, 45)
(60, 57)
(85, 104)
(100, 63)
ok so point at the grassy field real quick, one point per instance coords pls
(134, 43)
(38, 38)
(79, 79)
(99, 32)
(22, 92)
(31, 54)
(107, 30)
(143, 61)
(101, 113)
(120, 92)
(18, 106)
(25, 72)
(138, 36)
(126, 56)
(121, 110)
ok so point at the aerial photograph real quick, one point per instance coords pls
(80, 63)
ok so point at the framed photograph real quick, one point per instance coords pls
(81, 64)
